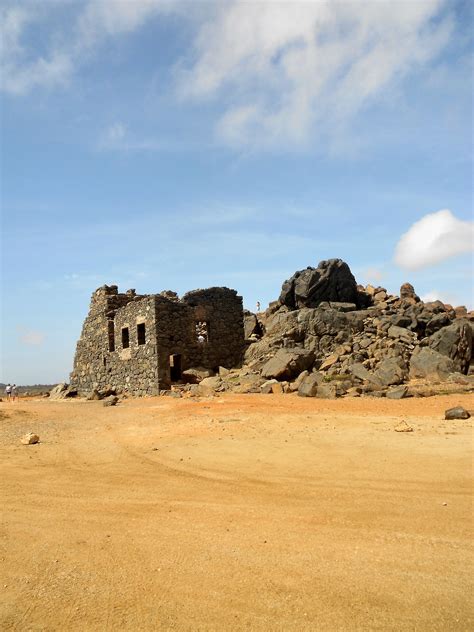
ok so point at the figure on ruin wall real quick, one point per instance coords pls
(141, 343)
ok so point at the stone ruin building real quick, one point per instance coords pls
(142, 343)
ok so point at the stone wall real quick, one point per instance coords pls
(96, 366)
(221, 308)
(127, 340)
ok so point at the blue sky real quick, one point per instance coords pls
(170, 145)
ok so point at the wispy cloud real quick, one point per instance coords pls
(434, 238)
(19, 72)
(30, 337)
(280, 73)
(96, 21)
(285, 70)
(117, 137)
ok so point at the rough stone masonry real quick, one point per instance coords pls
(140, 344)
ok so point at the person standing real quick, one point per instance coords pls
(8, 392)
(14, 392)
(258, 307)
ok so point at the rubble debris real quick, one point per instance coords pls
(111, 400)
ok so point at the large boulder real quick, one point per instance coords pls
(359, 371)
(458, 412)
(308, 386)
(194, 375)
(455, 342)
(287, 364)
(391, 371)
(437, 322)
(332, 280)
(407, 293)
(427, 363)
(62, 391)
(210, 385)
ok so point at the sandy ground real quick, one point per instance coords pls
(244, 512)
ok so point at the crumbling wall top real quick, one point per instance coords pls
(211, 293)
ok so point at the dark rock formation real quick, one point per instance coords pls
(427, 363)
(332, 280)
(407, 292)
(455, 342)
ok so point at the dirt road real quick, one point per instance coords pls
(245, 512)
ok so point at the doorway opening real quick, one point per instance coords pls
(175, 367)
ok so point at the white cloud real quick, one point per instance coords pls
(22, 69)
(282, 72)
(434, 238)
(285, 70)
(31, 337)
(19, 73)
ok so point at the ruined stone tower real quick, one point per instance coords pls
(142, 343)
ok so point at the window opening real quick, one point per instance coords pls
(111, 332)
(175, 367)
(202, 331)
(141, 333)
(125, 338)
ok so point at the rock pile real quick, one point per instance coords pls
(326, 336)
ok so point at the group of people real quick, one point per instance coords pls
(11, 391)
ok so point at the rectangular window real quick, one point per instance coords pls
(111, 332)
(125, 338)
(202, 331)
(141, 333)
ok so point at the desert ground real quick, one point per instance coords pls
(240, 512)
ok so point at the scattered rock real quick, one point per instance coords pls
(427, 363)
(111, 400)
(403, 427)
(391, 371)
(407, 292)
(62, 391)
(277, 389)
(329, 362)
(455, 342)
(94, 395)
(288, 363)
(309, 385)
(400, 392)
(458, 412)
(196, 375)
(358, 370)
(327, 390)
(30, 439)
(209, 385)
(175, 394)
(266, 388)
